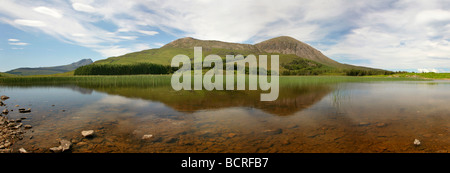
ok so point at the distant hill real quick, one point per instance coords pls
(50, 70)
(6, 75)
(296, 57)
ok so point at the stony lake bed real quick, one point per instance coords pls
(357, 117)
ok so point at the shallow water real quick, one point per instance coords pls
(344, 117)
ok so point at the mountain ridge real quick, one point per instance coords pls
(296, 57)
(27, 71)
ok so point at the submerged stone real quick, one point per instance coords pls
(3, 97)
(87, 133)
(146, 137)
(23, 110)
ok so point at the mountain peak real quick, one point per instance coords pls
(83, 62)
(284, 38)
(189, 43)
(289, 45)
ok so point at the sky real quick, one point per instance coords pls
(410, 35)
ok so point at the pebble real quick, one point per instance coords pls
(81, 143)
(273, 131)
(364, 124)
(87, 133)
(381, 124)
(64, 145)
(145, 137)
(23, 110)
(57, 149)
(22, 150)
(416, 142)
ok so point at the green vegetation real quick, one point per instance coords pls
(7, 75)
(124, 69)
(104, 81)
(302, 66)
(153, 80)
(355, 72)
(424, 75)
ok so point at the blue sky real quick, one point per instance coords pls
(388, 34)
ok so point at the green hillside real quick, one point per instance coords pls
(7, 75)
(296, 58)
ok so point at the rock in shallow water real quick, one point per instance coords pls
(22, 150)
(87, 133)
(145, 137)
(64, 145)
(381, 125)
(273, 131)
(23, 110)
(364, 123)
(57, 149)
(3, 97)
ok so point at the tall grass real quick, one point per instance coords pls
(165, 80)
(106, 81)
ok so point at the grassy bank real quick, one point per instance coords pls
(424, 75)
(132, 80)
(159, 80)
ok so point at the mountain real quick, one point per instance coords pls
(296, 57)
(289, 45)
(50, 70)
(208, 45)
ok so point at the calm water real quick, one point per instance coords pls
(345, 117)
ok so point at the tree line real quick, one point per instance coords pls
(124, 69)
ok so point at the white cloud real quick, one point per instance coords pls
(33, 23)
(392, 34)
(127, 37)
(48, 11)
(139, 47)
(18, 44)
(83, 7)
(113, 51)
(151, 33)
(13, 40)
(423, 70)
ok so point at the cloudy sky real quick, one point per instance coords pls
(411, 35)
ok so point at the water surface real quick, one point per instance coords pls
(343, 117)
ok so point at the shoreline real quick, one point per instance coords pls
(11, 130)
